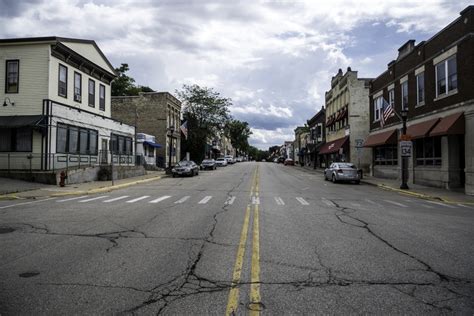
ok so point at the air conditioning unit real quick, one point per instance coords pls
(77, 98)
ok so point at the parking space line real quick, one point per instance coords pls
(160, 199)
(72, 199)
(327, 202)
(425, 206)
(279, 201)
(25, 203)
(93, 199)
(182, 200)
(302, 201)
(116, 199)
(230, 200)
(395, 203)
(205, 200)
(138, 199)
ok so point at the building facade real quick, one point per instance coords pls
(299, 145)
(434, 82)
(157, 114)
(317, 138)
(56, 111)
(347, 120)
(146, 149)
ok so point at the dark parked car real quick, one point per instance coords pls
(289, 162)
(208, 164)
(281, 159)
(185, 168)
(342, 171)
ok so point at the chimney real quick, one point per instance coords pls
(406, 48)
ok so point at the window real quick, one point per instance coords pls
(446, 76)
(428, 151)
(420, 88)
(101, 97)
(404, 87)
(12, 76)
(378, 102)
(91, 93)
(386, 155)
(391, 98)
(62, 82)
(16, 139)
(121, 145)
(75, 140)
(77, 87)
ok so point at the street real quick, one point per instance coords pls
(249, 238)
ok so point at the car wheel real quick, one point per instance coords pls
(197, 172)
(357, 182)
(334, 179)
(174, 176)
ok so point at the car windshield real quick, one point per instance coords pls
(347, 165)
(184, 163)
(220, 159)
(207, 161)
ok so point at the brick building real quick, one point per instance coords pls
(153, 113)
(347, 120)
(317, 138)
(434, 81)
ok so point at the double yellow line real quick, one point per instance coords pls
(255, 299)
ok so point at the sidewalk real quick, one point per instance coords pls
(415, 190)
(16, 189)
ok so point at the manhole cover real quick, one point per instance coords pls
(28, 274)
(6, 230)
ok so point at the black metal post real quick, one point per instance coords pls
(171, 131)
(404, 185)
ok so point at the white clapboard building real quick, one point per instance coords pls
(56, 106)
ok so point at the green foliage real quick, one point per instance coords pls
(239, 133)
(124, 85)
(257, 154)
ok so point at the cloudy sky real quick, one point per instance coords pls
(274, 59)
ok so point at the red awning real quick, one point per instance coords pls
(330, 121)
(421, 130)
(450, 125)
(333, 146)
(341, 114)
(387, 137)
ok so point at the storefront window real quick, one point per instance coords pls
(428, 151)
(386, 155)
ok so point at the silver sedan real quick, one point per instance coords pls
(342, 171)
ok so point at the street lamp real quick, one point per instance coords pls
(171, 130)
(404, 114)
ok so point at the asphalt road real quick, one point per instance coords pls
(247, 239)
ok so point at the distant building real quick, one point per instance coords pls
(317, 138)
(434, 81)
(56, 111)
(153, 113)
(347, 120)
(299, 147)
(146, 149)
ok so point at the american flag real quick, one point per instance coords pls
(184, 129)
(387, 111)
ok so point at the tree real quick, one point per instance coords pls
(239, 133)
(257, 154)
(207, 114)
(124, 85)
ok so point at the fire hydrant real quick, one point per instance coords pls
(62, 178)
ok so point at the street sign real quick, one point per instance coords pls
(406, 148)
(359, 143)
(405, 137)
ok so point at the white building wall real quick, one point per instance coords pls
(90, 52)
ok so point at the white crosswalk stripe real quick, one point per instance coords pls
(138, 199)
(327, 202)
(302, 201)
(72, 199)
(93, 199)
(116, 199)
(356, 204)
(425, 205)
(230, 200)
(160, 199)
(255, 200)
(182, 200)
(441, 204)
(205, 200)
(279, 201)
(462, 205)
(395, 203)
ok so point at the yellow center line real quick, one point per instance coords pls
(233, 299)
(255, 300)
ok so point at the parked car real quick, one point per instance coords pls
(289, 162)
(230, 159)
(281, 159)
(208, 164)
(239, 159)
(221, 162)
(342, 171)
(185, 168)
(275, 160)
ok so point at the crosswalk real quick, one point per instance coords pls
(277, 201)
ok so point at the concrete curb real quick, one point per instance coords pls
(416, 194)
(86, 192)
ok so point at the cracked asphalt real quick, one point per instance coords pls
(350, 249)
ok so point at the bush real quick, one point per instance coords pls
(104, 174)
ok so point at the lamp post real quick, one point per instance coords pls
(171, 130)
(404, 114)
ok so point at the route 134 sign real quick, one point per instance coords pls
(406, 148)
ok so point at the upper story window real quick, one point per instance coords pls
(404, 87)
(12, 76)
(77, 87)
(91, 93)
(378, 102)
(101, 97)
(391, 98)
(446, 76)
(420, 88)
(62, 82)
